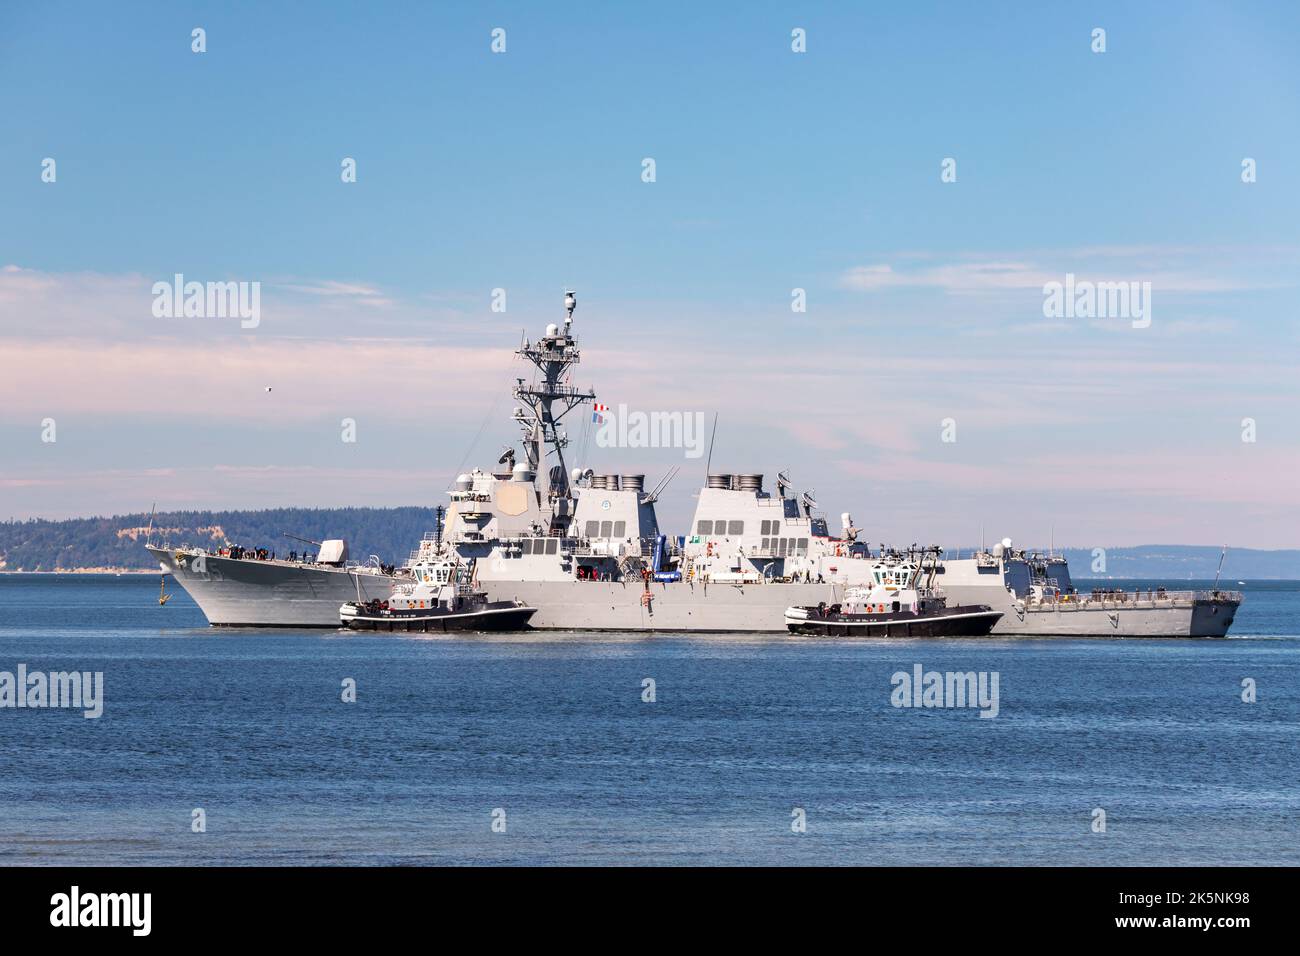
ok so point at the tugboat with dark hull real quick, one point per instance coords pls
(896, 604)
(439, 597)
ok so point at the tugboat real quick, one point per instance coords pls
(439, 596)
(896, 604)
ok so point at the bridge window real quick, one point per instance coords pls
(593, 529)
(606, 529)
(620, 528)
(552, 545)
(776, 527)
(767, 528)
(767, 542)
(736, 527)
(704, 527)
(803, 545)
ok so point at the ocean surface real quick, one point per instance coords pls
(550, 734)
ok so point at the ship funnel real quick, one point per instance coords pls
(720, 481)
(611, 482)
(751, 482)
(598, 482)
(634, 483)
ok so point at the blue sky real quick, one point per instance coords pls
(775, 170)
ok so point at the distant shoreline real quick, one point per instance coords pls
(90, 571)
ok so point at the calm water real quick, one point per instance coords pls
(250, 727)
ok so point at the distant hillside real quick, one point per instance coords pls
(392, 533)
(1181, 562)
(118, 542)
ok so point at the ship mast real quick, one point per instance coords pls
(549, 400)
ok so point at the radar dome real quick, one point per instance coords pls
(552, 330)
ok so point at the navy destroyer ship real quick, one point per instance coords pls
(586, 550)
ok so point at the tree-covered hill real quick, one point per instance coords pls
(392, 533)
(118, 542)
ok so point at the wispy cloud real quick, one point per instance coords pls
(354, 292)
(35, 304)
(1175, 269)
(960, 277)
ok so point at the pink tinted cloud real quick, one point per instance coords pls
(227, 380)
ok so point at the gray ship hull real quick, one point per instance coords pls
(247, 593)
(757, 608)
(250, 593)
(678, 607)
(1155, 618)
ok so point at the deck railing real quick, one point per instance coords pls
(1143, 599)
